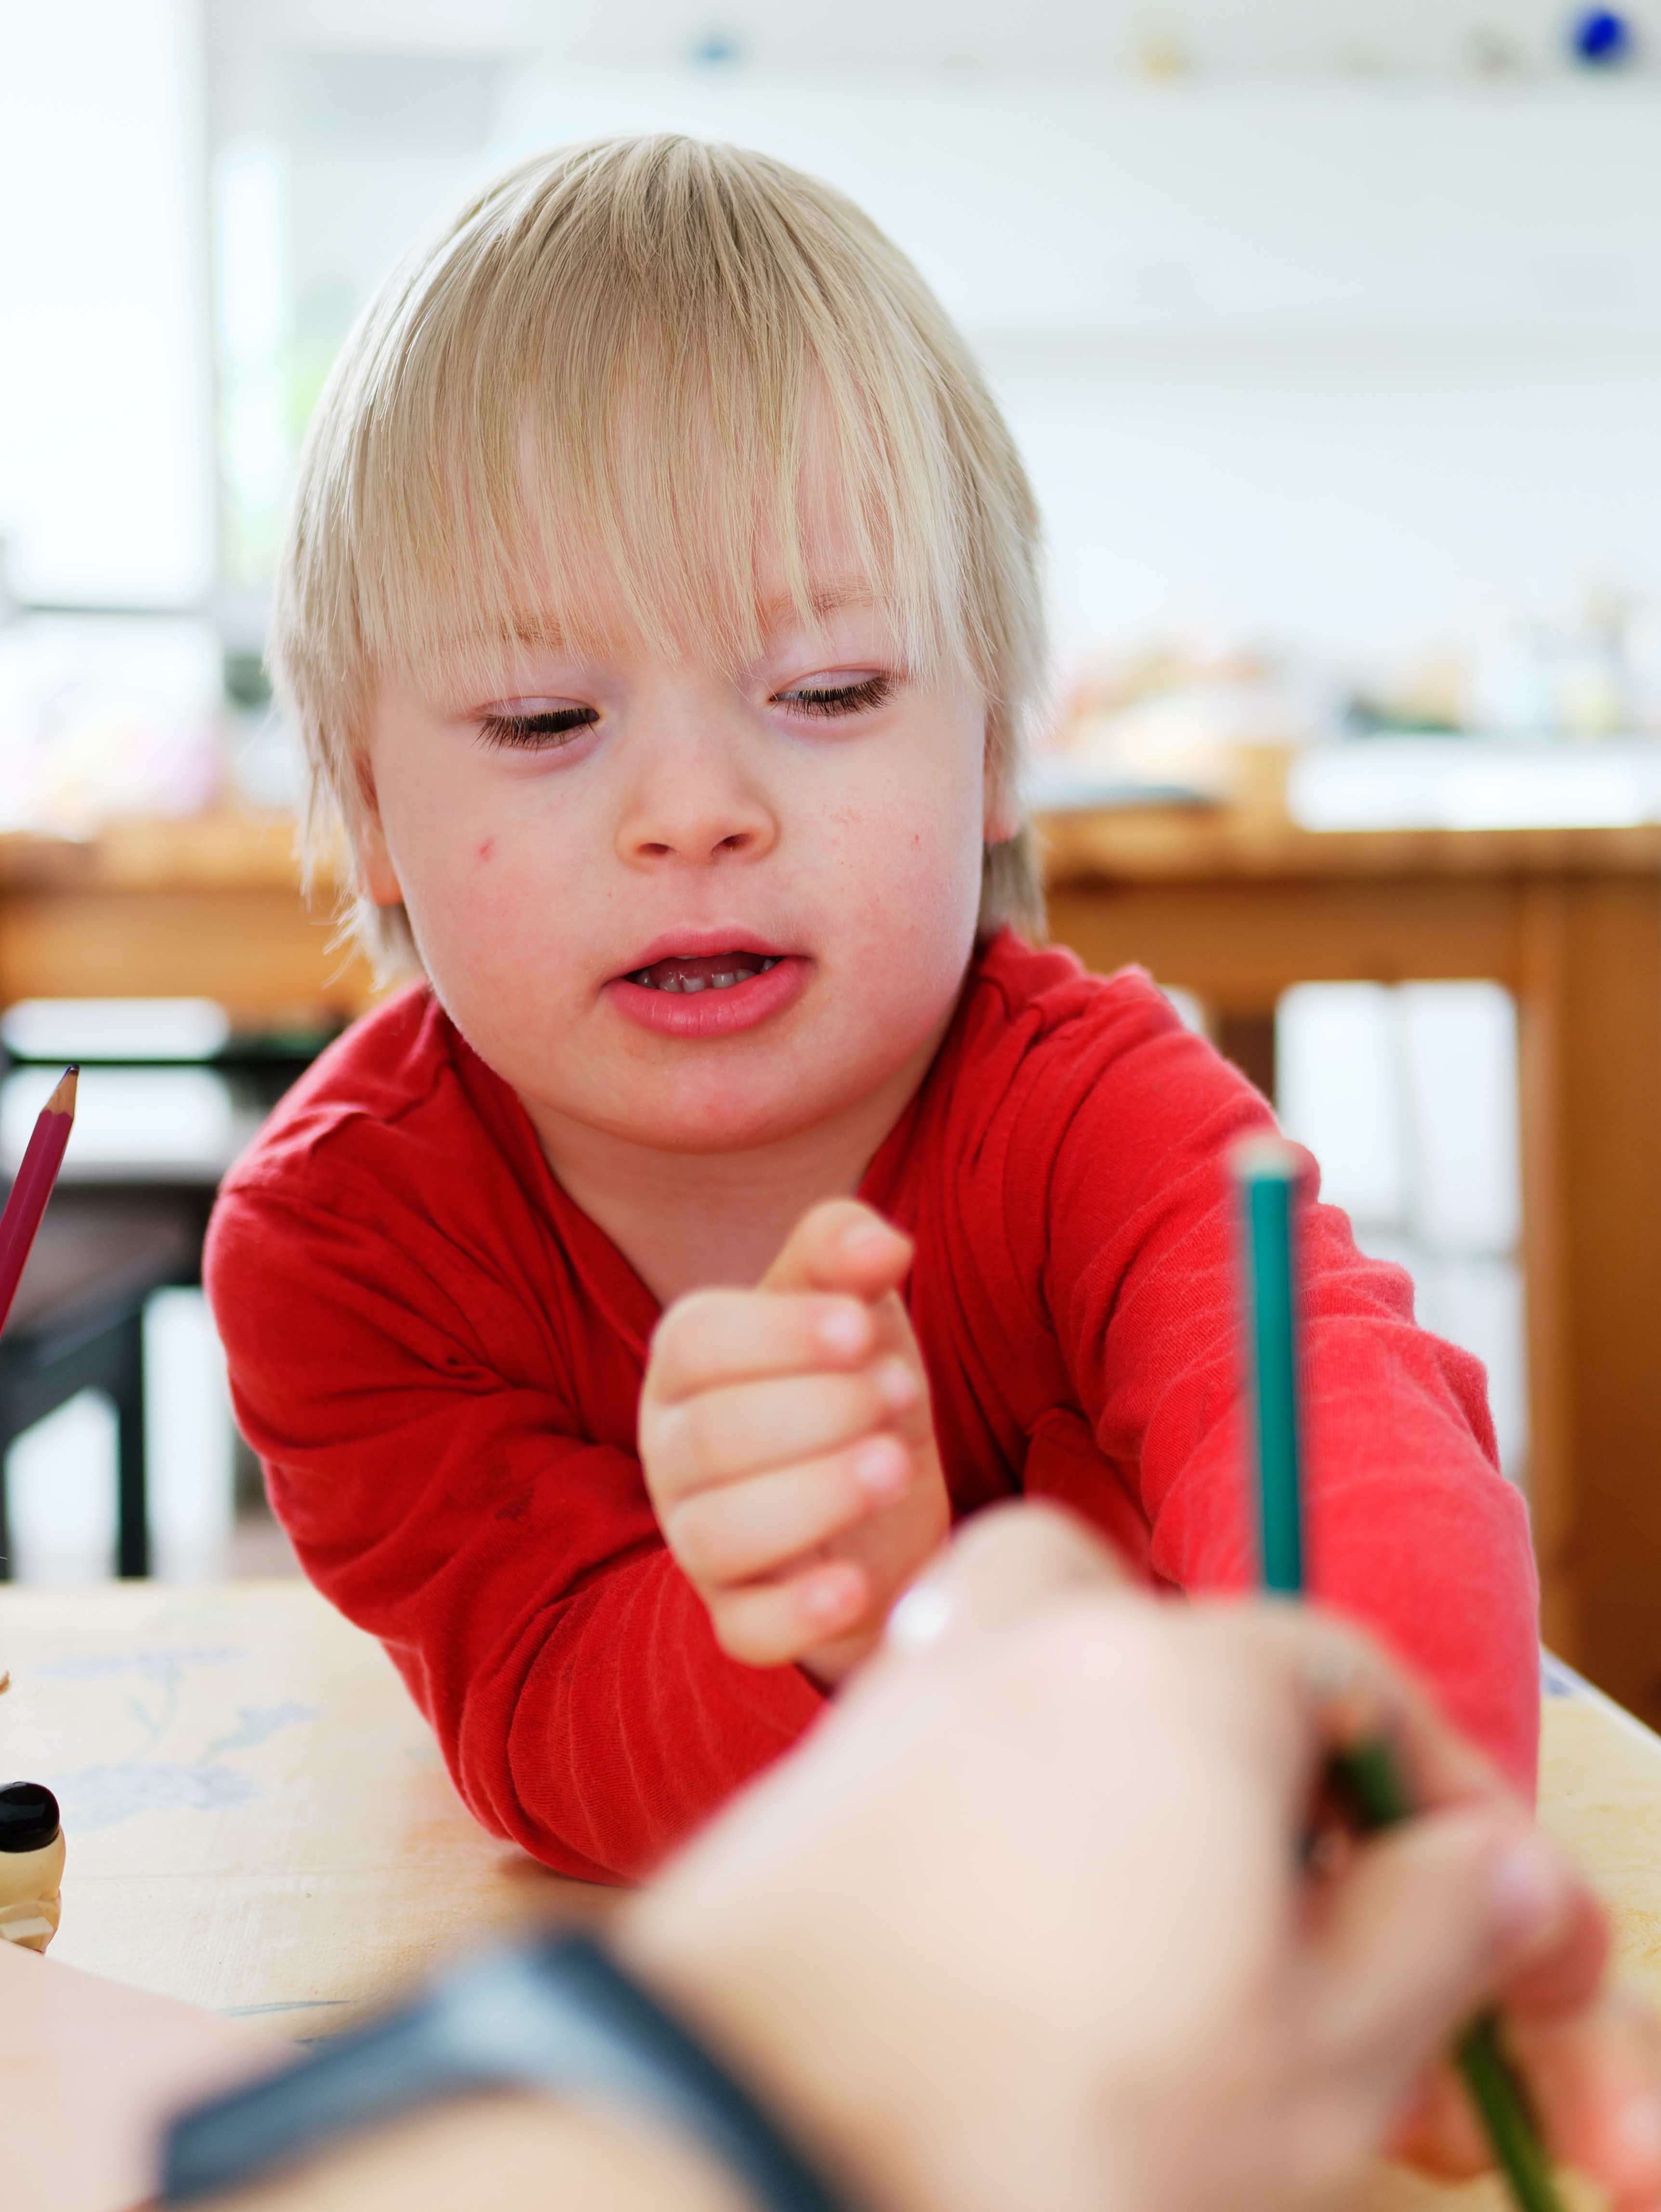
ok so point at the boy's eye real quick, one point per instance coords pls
(854, 698)
(535, 726)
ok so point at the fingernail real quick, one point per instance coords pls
(864, 1235)
(843, 1328)
(897, 1385)
(883, 1467)
(830, 1597)
(1525, 1883)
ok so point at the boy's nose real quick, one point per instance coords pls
(696, 809)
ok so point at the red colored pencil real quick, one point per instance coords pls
(32, 1188)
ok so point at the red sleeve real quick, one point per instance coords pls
(441, 1499)
(1412, 1528)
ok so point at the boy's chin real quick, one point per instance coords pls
(707, 1127)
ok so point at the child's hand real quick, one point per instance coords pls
(789, 1447)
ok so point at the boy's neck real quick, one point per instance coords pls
(686, 1221)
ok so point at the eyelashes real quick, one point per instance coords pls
(827, 700)
(545, 731)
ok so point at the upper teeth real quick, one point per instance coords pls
(723, 981)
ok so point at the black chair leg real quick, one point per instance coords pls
(40, 1373)
(132, 1549)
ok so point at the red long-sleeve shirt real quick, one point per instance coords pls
(439, 1358)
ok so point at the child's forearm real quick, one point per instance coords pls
(608, 1725)
(568, 1670)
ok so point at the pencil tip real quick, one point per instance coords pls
(63, 1098)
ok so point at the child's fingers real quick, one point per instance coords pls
(751, 1428)
(840, 1245)
(744, 1530)
(772, 1623)
(734, 1336)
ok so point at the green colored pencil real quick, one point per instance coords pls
(1266, 1172)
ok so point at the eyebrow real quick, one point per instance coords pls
(772, 613)
(827, 598)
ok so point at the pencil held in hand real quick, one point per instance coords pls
(1268, 1172)
(35, 1177)
(1266, 1169)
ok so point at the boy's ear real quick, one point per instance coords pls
(1003, 818)
(375, 871)
(1003, 814)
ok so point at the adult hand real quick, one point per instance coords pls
(1028, 1920)
(789, 1448)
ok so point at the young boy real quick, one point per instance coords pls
(625, 1308)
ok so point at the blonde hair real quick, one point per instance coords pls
(588, 389)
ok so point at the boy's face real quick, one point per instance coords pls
(696, 912)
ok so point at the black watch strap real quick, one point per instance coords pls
(558, 2014)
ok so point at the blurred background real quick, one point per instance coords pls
(1331, 330)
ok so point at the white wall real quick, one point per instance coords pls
(1356, 499)
(949, 35)
(1350, 366)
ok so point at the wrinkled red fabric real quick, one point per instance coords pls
(438, 1356)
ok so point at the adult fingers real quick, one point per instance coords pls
(1347, 1692)
(726, 1435)
(1438, 2130)
(734, 1336)
(1595, 2080)
(1431, 1922)
(1002, 1562)
(840, 1245)
(1354, 1695)
(1567, 1976)
(738, 1531)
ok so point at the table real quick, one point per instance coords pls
(1236, 905)
(258, 1818)
(259, 1822)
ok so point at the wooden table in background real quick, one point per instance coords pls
(258, 1821)
(1237, 905)
(206, 909)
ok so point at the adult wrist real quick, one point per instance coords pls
(914, 2098)
(519, 2152)
(557, 2014)
(757, 2006)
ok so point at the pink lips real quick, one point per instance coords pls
(711, 1013)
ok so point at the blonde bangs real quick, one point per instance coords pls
(595, 395)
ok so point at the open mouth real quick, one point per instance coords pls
(714, 971)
